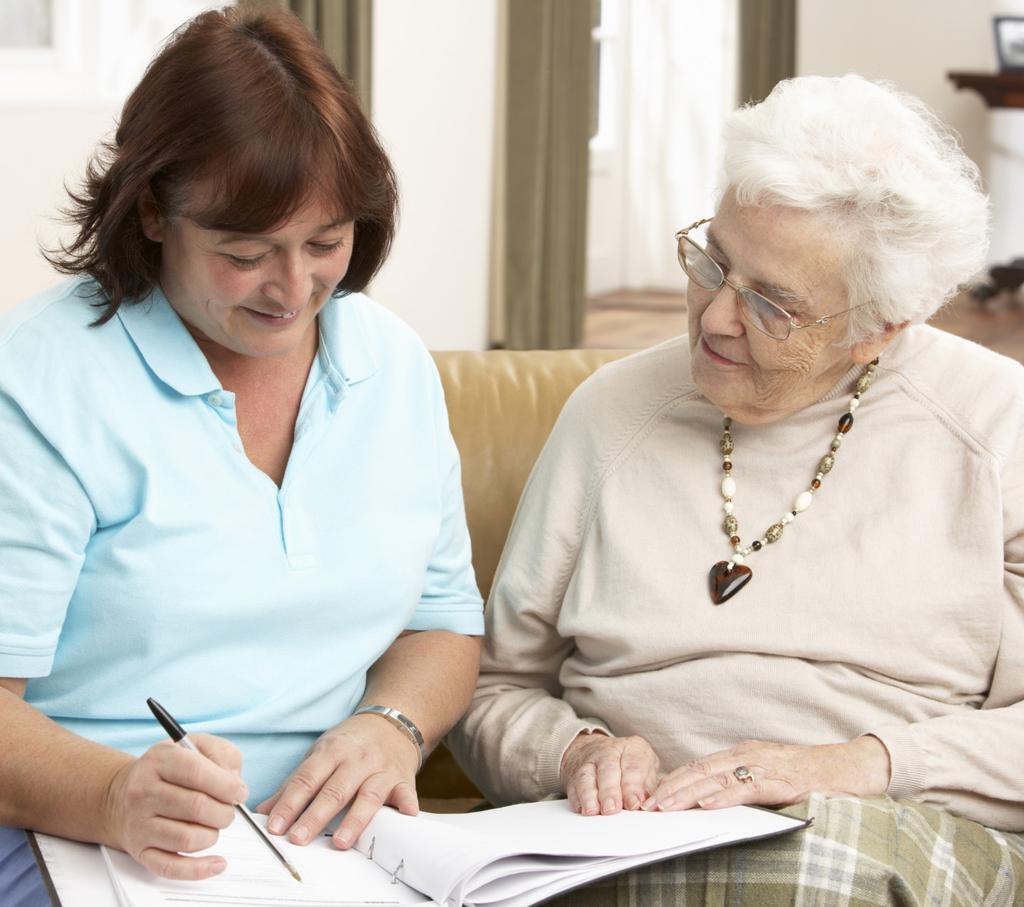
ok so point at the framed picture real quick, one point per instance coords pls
(1009, 42)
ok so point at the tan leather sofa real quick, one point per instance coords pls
(501, 406)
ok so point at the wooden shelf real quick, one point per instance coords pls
(1003, 89)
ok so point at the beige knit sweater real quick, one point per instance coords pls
(894, 605)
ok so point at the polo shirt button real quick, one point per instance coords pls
(215, 399)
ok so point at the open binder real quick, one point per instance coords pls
(509, 857)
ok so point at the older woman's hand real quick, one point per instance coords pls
(363, 763)
(602, 774)
(776, 775)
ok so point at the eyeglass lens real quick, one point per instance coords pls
(703, 270)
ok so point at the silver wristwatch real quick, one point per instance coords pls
(398, 720)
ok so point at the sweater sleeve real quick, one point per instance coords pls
(970, 763)
(511, 739)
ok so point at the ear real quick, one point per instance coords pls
(872, 347)
(149, 216)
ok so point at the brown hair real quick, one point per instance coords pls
(247, 105)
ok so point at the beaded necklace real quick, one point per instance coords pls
(728, 577)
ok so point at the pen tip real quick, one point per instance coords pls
(294, 873)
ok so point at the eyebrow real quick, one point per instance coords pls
(769, 289)
(237, 237)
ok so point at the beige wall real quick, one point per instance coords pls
(434, 73)
(914, 43)
(55, 105)
(434, 87)
(42, 146)
(434, 76)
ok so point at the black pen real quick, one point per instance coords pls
(177, 733)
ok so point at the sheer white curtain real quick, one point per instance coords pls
(681, 83)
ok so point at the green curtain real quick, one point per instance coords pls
(345, 31)
(542, 169)
(767, 46)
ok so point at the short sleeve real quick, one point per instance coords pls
(46, 521)
(450, 599)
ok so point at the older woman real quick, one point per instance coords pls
(207, 494)
(781, 559)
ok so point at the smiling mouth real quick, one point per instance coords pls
(284, 316)
(717, 358)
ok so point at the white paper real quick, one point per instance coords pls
(77, 872)
(456, 855)
(511, 857)
(255, 878)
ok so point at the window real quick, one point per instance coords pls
(82, 50)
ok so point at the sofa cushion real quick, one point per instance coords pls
(501, 407)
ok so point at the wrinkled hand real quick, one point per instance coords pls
(365, 762)
(171, 801)
(603, 774)
(780, 775)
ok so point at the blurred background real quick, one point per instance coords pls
(547, 150)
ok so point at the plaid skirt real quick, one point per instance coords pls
(858, 853)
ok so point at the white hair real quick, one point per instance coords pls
(888, 176)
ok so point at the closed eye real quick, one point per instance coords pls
(719, 259)
(717, 255)
(245, 263)
(320, 248)
(248, 263)
(791, 302)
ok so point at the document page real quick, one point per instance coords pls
(255, 878)
(77, 872)
(510, 857)
(507, 855)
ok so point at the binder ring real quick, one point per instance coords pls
(394, 875)
(373, 841)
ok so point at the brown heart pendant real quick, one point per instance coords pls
(724, 583)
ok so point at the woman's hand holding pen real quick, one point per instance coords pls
(363, 763)
(171, 801)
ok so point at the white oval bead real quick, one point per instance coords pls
(728, 487)
(728, 507)
(853, 405)
(737, 558)
(803, 501)
(786, 519)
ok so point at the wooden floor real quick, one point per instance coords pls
(633, 320)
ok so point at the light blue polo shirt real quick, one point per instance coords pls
(142, 554)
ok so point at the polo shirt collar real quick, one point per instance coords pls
(166, 345)
(348, 353)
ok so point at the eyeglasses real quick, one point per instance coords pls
(767, 316)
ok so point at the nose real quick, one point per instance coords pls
(721, 315)
(290, 286)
